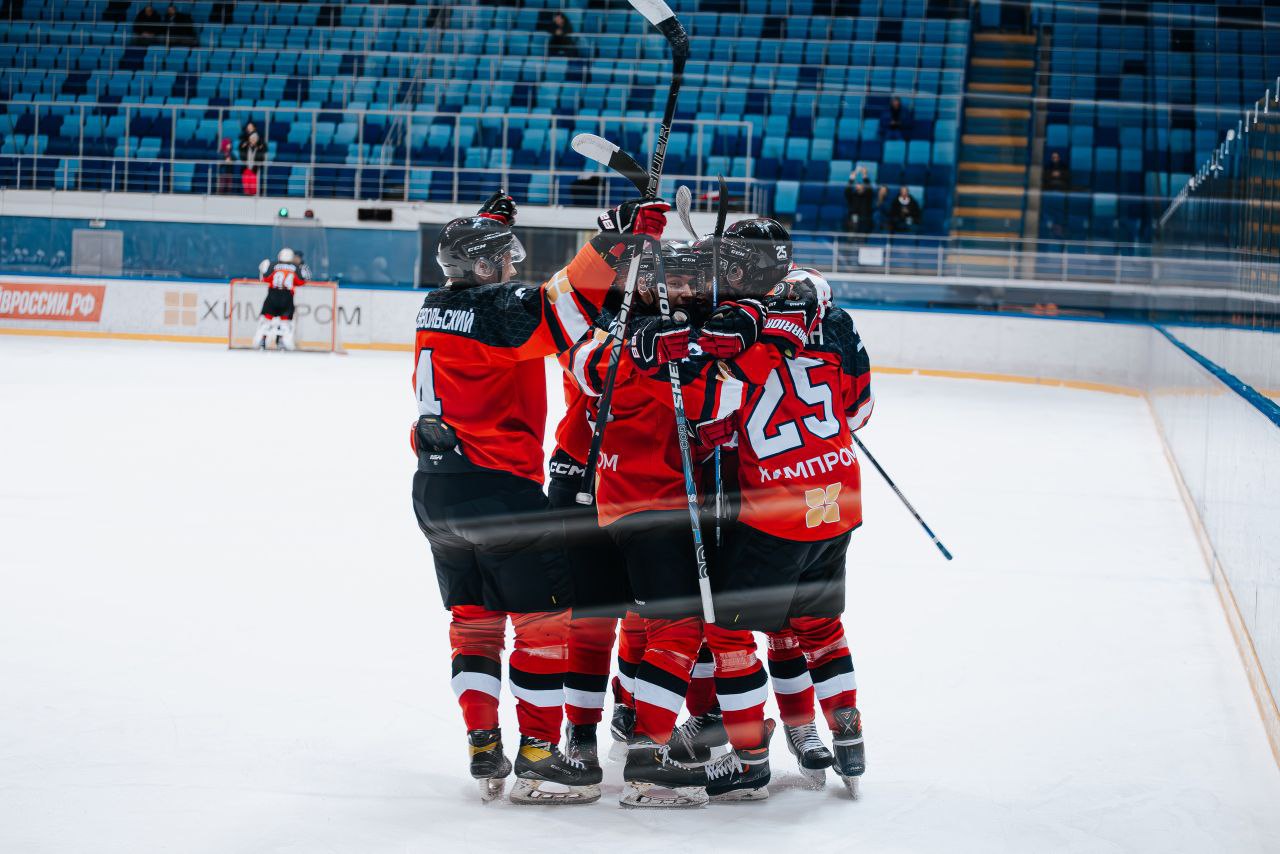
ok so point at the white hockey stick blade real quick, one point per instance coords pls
(655, 11)
(684, 199)
(593, 147)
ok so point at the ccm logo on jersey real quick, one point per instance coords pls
(823, 505)
(828, 462)
(448, 320)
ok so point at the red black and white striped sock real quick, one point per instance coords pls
(536, 671)
(830, 664)
(631, 646)
(741, 685)
(662, 680)
(789, 673)
(702, 686)
(476, 636)
(590, 653)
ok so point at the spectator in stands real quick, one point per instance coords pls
(222, 13)
(253, 153)
(860, 201)
(895, 122)
(904, 213)
(1056, 174)
(182, 29)
(248, 129)
(227, 170)
(562, 42)
(148, 27)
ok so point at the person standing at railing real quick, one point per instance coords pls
(226, 170)
(253, 153)
(860, 201)
(904, 213)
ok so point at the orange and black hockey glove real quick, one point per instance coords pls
(792, 313)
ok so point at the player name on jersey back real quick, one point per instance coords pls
(446, 319)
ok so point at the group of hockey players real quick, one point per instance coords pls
(772, 382)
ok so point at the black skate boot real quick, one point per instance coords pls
(580, 744)
(622, 728)
(694, 740)
(651, 778)
(488, 763)
(544, 775)
(741, 775)
(850, 760)
(811, 754)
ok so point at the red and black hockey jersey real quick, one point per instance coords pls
(478, 359)
(639, 466)
(798, 473)
(284, 277)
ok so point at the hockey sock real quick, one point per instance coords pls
(590, 648)
(631, 643)
(741, 685)
(477, 635)
(662, 679)
(702, 687)
(830, 665)
(789, 673)
(536, 671)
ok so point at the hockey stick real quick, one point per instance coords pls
(722, 213)
(602, 151)
(661, 16)
(683, 200)
(929, 531)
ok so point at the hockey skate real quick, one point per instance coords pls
(580, 744)
(622, 727)
(546, 776)
(811, 754)
(489, 766)
(694, 740)
(850, 760)
(652, 779)
(741, 775)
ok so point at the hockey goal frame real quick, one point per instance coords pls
(331, 344)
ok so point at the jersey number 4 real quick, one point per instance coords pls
(428, 403)
(780, 438)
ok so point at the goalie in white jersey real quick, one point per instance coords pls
(277, 309)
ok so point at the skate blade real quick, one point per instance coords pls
(491, 788)
(741, 796)
(851, 785)
(618, 751)
(548, 794)
(814, 778)
(652, 796)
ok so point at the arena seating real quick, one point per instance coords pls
(810, 87)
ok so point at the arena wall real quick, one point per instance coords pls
(1221, 433)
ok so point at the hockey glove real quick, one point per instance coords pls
(263, 266)
(658, 343)
(731, 329)
(793, 313)
(500, 207)
(432, 435)
(621, 225)
(709, 435)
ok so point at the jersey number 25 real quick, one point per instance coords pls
(786, 436)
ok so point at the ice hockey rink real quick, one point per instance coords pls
(220, 630)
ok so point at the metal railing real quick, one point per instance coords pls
(389, 172)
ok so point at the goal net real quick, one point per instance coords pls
(315, 314)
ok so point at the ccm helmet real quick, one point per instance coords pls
(472, 250)
(754, 255)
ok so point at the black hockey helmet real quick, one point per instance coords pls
(754, 255)
(473, 249)
(678, 259)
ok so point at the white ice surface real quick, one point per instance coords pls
(219, 630)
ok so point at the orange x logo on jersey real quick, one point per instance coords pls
(822, 505)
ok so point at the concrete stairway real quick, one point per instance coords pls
(992, 168)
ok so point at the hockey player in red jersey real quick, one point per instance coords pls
(783, 566)
(642, 505)
(477, 494)
(277, 308)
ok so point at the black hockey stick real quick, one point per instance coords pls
(722, 213)
(937, 542)
(602, 151)
(661, 16)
